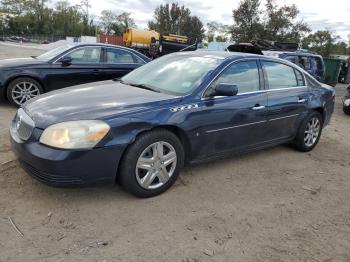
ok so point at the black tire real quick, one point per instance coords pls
(346, 110)
(23, 82)
(299, 142)
(127, 176)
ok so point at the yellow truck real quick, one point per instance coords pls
(152, 44)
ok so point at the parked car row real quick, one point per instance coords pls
(141, 130)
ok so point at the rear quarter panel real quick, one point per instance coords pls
(323, 97)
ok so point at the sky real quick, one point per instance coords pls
(319, 14)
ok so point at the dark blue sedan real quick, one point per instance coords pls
(22, 79)
(182, 108)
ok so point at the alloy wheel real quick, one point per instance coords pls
(24, 91)
(156, 165)
(312, 131)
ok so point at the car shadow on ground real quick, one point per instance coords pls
(16, 177)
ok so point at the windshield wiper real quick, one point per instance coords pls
(143, 86)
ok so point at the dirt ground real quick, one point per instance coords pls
(272, 205)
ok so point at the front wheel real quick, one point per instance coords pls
(309, 132)
(152, 163)
(23, 89)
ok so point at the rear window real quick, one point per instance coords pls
(291, 59)
(304, 62)
(317, 63)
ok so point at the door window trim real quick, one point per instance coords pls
(261, 77)
(78, 48)
(123, 49)
(267, 85)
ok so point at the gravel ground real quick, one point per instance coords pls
(273, 205)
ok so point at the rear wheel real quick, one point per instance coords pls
(152, 163)
(23, 89)
(309, 132)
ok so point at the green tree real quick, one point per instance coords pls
(175, 19)
(34, 17)
(247, 21)
(116, 23)
(280, 23)
(320, 42)
(217, 32)
(276, 23)
(326, 42)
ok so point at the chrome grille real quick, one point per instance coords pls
(23, 125)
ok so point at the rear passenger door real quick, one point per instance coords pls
(118, 62)
(287, 98)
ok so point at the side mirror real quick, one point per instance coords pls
(66, 61)
(223, 89)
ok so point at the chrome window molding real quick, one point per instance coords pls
(75, 49)
(257, 91)
(118, 48)
(100, 46)
(219, 73)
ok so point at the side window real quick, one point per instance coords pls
(300, 78)
(118, 56)
(304, 62)
(319, 64)
(279, 75)
(89, 54)
(245, 75)
(291, 59)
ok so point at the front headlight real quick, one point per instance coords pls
(75, 134)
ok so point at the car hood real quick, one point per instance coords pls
(100, 100)
(15, 62)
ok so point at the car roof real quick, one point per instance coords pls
(104, 45)
(100, 44)
(232, 56)
(226, 55)
(217, 54)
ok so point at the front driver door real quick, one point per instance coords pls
(85, 67)
(237, 122)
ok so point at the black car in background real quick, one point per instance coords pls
(346, 101)
(24, 78)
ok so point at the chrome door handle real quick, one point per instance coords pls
(302, 100)
(257, 107)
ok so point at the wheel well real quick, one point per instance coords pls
(321, 111)
(173, 129)
(181, 135)
(8, 82)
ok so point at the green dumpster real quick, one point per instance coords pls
(333, 67)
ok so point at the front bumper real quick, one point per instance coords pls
(58, 167)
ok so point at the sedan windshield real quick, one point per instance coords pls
(176, 74)
(54, 52)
